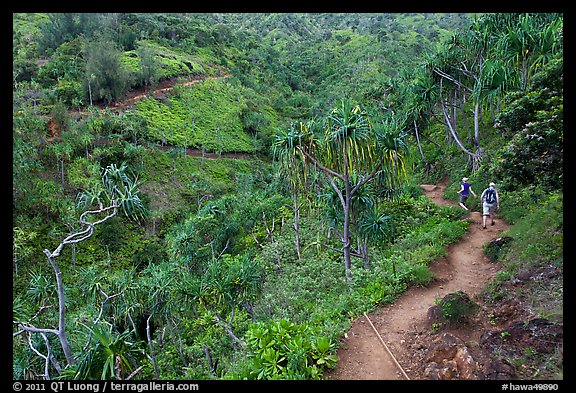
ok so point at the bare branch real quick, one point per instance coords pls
(227, 327)
(137, 371)
(39, 311)
(367, 178)
(256, 240)
(46, 373)
(152, 353)
(224, 249)
(322, 167)
(86, 233)
(100, 314)
(352, 253)
(332, 229)
(34, 329)
(451, 78)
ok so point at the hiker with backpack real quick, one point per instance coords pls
(490, 200)
(465, 190)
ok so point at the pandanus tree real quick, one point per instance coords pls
(528, 41)
(226, 285)
(498, 52)
(463, 67)
(117, 191)
(348, 152)
(456, 73)
(416, 95)
(292, 164)
(363, 216)
(111, 350)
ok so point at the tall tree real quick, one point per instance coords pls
(415, 94)
(105, 78)
(459, 69)
(527, 41)
(150, 69)
(349, 153)
(292, 165)
(478, 62)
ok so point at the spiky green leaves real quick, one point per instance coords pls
(116, 189)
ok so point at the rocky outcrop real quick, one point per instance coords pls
(449, 358)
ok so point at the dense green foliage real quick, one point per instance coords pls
(534, 122)
(205, 116)
(231, 266)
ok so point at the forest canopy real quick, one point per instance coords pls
(217, 195)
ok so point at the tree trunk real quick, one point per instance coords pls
(74, 255)
(455, 109)
(176, 346)
(213, 365)
(477, 124)
(493, 112)
(62, 175)
(477, 159)
(228, 328)
(426, 165)
(452, 131)
(363, 250)
(346, 248)
(465, 117)
(61, 310)
(152, 353)
(278, 259)
(297, 224)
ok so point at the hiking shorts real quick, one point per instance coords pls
(488, 208)
(463, 198)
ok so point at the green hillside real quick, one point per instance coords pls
(217, 196)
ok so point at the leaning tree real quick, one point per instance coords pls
(116, 192)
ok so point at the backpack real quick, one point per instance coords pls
(490, 196)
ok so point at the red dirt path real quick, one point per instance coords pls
(466, 268)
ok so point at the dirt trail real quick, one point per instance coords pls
(466, 268)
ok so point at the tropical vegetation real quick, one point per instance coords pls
(264, 190)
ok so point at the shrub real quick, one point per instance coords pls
(285, 350)
(457, 306)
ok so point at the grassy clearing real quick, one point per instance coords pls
(206, 115)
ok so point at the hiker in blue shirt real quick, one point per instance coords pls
(490, 200)
(465, 190)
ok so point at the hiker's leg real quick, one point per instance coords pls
(485, 213)
(463, 201)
